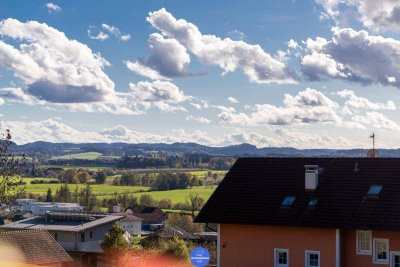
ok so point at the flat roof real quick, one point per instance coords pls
(38, 222)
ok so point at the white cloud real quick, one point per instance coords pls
(52, 8)
(198, 119)
(169, 59)
(116, 32)
(101, 36)
(355, 103)
(377, 120)
(229, 55)
(379, 15)
(308, 106)
(52, 65)
(233, 100)
(354, 56)
(292, 44)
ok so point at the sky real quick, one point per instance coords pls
(289, 73)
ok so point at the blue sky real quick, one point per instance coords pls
(306, 74)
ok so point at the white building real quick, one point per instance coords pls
(131, 224)
(40, 208)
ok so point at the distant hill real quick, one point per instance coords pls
(46, 149)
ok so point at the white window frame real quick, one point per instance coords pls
(358, 250)
(392, 254)
(276, 263)
(375, 260)
(308, 253)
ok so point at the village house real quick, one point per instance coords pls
(153, 217)
(34, 247)
(312, 212)
(79, 233)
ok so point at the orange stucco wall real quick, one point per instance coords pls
(247, 245)
(350, 256)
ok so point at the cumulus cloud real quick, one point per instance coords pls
(228, 54)
(198, 119)
(379, 15)
(101, 36)
(106, 32)
(355, 103)
(169, 59)
(52, 8)
(162, 95)
(377, 120)
(233, 100)
(116, 32)
(355, 56)
(308, 106)
(47, 60)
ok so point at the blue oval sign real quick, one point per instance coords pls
(200, 257)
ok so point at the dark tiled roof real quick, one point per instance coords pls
(128, 217)
(253, 190)
(31, 247)
(144, 209)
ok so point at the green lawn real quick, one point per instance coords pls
(86, 155)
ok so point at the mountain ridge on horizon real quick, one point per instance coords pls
(178, 148)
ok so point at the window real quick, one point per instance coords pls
(288, 201)
(82, 237)
(313, 202)
(56, 236)
(364, 240)
(312, 258)
(91, 234)
(381, 250)
(281, 257)
(375, 190)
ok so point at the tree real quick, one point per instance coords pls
(83, 177)
(49, 196)
(195, 202)
(115, 246)
(147, 200)
(70, 176)
(185, 222)
(10, 166)
(100, 177)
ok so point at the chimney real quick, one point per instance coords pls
(311, 177)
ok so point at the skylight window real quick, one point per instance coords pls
(374, 190)
(313, 202)
(288, 201)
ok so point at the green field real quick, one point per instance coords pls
(103, 190)
(66, 167)
(180, 195)
(108, 191)
(86, 155)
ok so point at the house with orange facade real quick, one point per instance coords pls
(311, 212)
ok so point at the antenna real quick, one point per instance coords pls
(373, 153)
(373, 140)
